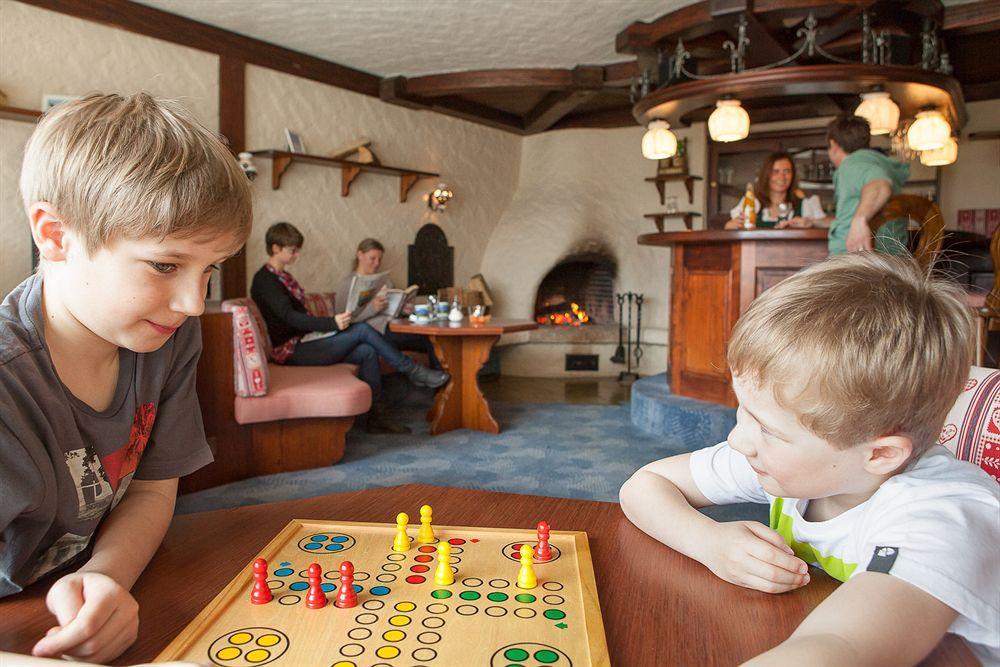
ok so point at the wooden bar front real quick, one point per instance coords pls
(715, 276)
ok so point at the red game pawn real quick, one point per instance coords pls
(346, 597)
(543, 552)
(316, 598)
(261, 593)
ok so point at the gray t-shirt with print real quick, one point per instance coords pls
(63, 465)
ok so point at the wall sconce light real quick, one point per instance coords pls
(659, 142)
(940, 157)
(438, 199)
(729, 122)
(246, 164)
(929, 131)
(880, 111)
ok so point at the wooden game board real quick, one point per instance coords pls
(403, 619)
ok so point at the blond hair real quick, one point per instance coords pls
(886, 348)
(133, 167)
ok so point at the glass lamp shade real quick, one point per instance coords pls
(929, 131)
(729, 122)
(939, 157)
(659, 142)
(880, 111)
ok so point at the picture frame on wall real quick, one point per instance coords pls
(294, 142)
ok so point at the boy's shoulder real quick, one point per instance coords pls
(937, 482)
(19, 333)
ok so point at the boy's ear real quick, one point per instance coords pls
(48, 231)
(888, 454)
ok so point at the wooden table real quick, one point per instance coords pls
(716, 274)
(462, 348)
(659, 607)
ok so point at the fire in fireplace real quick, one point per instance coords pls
(578, 290)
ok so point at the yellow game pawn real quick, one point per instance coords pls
(526, 576)
(402, 541)
(444, 576)
(426, 535)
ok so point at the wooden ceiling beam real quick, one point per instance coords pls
(176, 29)
(972, 17)
(492, 80)
(553, 107)
(395, 90)
(607, 118)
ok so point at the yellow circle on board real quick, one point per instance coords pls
(240, 638)
(344, 663)
(258, 655)
(268, 640)
(228, 653)
(400, 621)
(387, 651)
(394, 635)
(405, 606)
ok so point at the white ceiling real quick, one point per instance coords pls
(413, 37)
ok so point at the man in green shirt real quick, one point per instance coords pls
(863, 182)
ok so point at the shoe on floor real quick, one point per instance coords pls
(422, 376)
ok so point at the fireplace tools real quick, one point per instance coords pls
(625, 352)
(619, 356)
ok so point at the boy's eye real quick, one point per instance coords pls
(213, 267)
(162, 267)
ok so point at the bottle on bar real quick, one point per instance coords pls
(749, 209)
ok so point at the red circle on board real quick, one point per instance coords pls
(415, 579)
(419, 568)
(456, 541)
(423, 559)
(475, 539)
(427, 549)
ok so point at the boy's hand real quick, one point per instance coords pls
(343, 320)
(98, 618)
(750, 554)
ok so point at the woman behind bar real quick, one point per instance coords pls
(777, 199)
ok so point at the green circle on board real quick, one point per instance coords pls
(497, 597)
(546, 657)
(525, 597)
(441, 594)
(469, 595)
(554, 614)
(515, 665)
(516, 654)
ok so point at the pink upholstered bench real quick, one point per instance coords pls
(262, 418)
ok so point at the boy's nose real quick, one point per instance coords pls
(189, 300)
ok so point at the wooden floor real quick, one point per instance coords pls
(580, 391)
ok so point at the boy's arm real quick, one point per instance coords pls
(873, 619)
(279, 301)
(874, 196)
(662, 498)
(97, 617)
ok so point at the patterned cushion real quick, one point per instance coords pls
(320, 304)
(251, 346)
(972, 429)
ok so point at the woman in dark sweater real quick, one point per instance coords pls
(280, 299)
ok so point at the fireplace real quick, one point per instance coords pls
(578, 291)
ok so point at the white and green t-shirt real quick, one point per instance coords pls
(936, 525)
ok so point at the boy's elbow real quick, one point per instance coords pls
(629, 494)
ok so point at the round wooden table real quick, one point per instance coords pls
(462, 348)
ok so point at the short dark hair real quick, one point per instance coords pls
(850, 132)
(282, 234)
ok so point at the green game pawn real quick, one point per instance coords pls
(426, 534)
(402, 542)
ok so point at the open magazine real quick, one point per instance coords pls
(396, 299)
(364, 289)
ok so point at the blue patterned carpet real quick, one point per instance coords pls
(571, 451)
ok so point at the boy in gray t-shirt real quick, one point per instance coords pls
(131, 204)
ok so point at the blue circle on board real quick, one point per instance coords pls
(285, 563)
(327, 587)
(358, 588)
(339, 538)
(334, 547)
(380, 590)
(283, 572)
(318, 538)
(299, 586)
(312, 546)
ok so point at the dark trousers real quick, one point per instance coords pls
(357, 344)
(413, 343)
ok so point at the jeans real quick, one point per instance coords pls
(413, 343)
(357, 344)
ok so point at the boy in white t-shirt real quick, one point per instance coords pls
(844, 374)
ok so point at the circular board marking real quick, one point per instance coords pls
(328, 543)
(400, 621)
(441, 594)
(428, 638)
(395, 557)
(415, 579)
(469, 595)
(552, 586)
(512, 552)
(366, 619)
(525, 598)
(499, 583)
(427, 550)
(496, 612)
(467, 609)
(241, 648)
(290, 599)
(423, 558)
(472, 582)
(437, 608)
(497, 597)
(284, 572)
(523, 652)
(274, 584)
(392, 567)
(351, 650)
(405, 606)
(456, 541)
(359, 633)
(379, 590)
(373, 605)
(419, 568)
(553, 599)
(358, 576)
(424, 654)
(432, 622)
(344, 663)
(388, 652)
(394, 635)
(554, 614)
(386, 578)
(298, 585)
(525, 612)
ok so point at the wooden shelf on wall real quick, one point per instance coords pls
(15, 113)
(686, 216)
(349, 170)
(662, 179)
